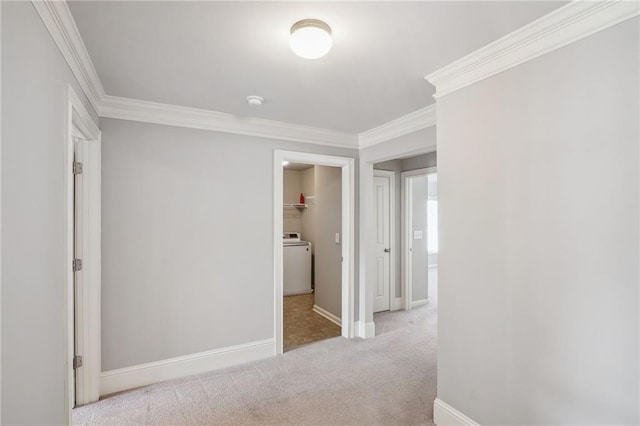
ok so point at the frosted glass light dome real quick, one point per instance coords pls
(310, 38)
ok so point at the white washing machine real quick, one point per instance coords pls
(296, 264)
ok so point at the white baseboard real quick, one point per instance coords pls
(173, 368)
(420, 302)
(446, 415)
(397, 304)
(328, 315)
(365, 330)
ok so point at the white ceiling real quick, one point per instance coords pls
(211, 55)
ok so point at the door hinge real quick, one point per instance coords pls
(77, 168)
(77, 265)
(77, 362)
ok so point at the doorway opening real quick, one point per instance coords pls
(312, 283)
(420, 236)
(404, 230)
(82, 260)
(432, 236)
(314, 248)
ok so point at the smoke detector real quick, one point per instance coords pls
(254, 101)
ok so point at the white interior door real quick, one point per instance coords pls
(382, 185)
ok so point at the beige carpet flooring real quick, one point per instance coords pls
(383, 381)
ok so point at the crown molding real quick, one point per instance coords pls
(58, 20)
(569, 23)
(173, 115)
(414, 121)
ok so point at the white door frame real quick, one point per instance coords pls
(395, 302)
(81, 126)
(407, 219)
(348, 236)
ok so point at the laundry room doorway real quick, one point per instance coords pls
(313, 246)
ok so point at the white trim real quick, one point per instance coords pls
(416, 303)
(446, 415)
(0, 220)
(397, 304)
(79, 120)
(328, 315)
(392, 233)
(173, 368)
(194, 118)
(58, 20)
(348, 235)
(412, 122)
(567, 24)
(366, 330)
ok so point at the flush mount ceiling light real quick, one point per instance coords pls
(310, 38)
(254, 101)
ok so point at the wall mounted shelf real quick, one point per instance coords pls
(297, 206)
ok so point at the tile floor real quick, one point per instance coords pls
(303, 326)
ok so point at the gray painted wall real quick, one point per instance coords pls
(389, 165)
(187, 253)
(292, 187)
(328, 264)
(309, 219)
(35, 81)
(420, 162)
(539, 261)
(409, 145)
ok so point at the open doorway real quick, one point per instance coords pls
(432, 237)
(312, 256)
(314, 215)
(413, 242)
(420, 236)
(406, 270)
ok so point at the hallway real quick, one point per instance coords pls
(387, 380)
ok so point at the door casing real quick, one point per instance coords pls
(82, 128)
(348, 236)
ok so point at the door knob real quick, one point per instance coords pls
(387, 250)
